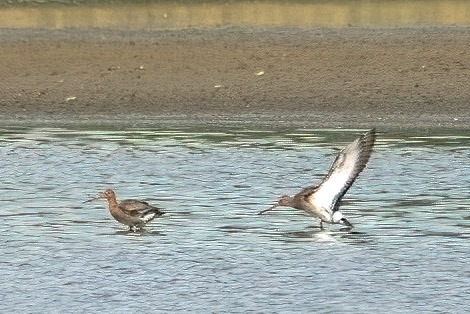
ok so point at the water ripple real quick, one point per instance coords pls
(211, 251)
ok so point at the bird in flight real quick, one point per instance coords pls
(322, 201)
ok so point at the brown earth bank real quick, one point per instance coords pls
(347, 77)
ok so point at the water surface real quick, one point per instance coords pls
(211, 253)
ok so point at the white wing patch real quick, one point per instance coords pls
(340, 175)
(148, 217)
(327, 193)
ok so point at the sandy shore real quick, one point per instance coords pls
(347, 77)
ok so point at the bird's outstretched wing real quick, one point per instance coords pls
(138, 208)
(344, 171)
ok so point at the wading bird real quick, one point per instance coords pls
(132, 213)
(322, 201)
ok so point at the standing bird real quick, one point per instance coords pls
(322, 201)
(132, 213)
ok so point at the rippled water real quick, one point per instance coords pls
(211, 253)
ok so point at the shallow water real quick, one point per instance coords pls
(211, 253)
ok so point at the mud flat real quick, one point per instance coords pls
(313, 76)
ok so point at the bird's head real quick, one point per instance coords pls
(284, 200)
(108, 194)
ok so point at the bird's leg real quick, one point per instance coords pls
(321, 224)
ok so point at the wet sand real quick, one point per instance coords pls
(317, 77)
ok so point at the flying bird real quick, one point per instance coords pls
(322, 201)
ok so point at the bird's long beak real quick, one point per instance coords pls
(270, 208)
(101, 195)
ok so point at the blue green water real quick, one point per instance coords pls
(211, 253)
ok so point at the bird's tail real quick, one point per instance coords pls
(345, 222)
(151, 214)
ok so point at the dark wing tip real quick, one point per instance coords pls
(158, 211)
(153, 209)
(369, 136)
(366, 145)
